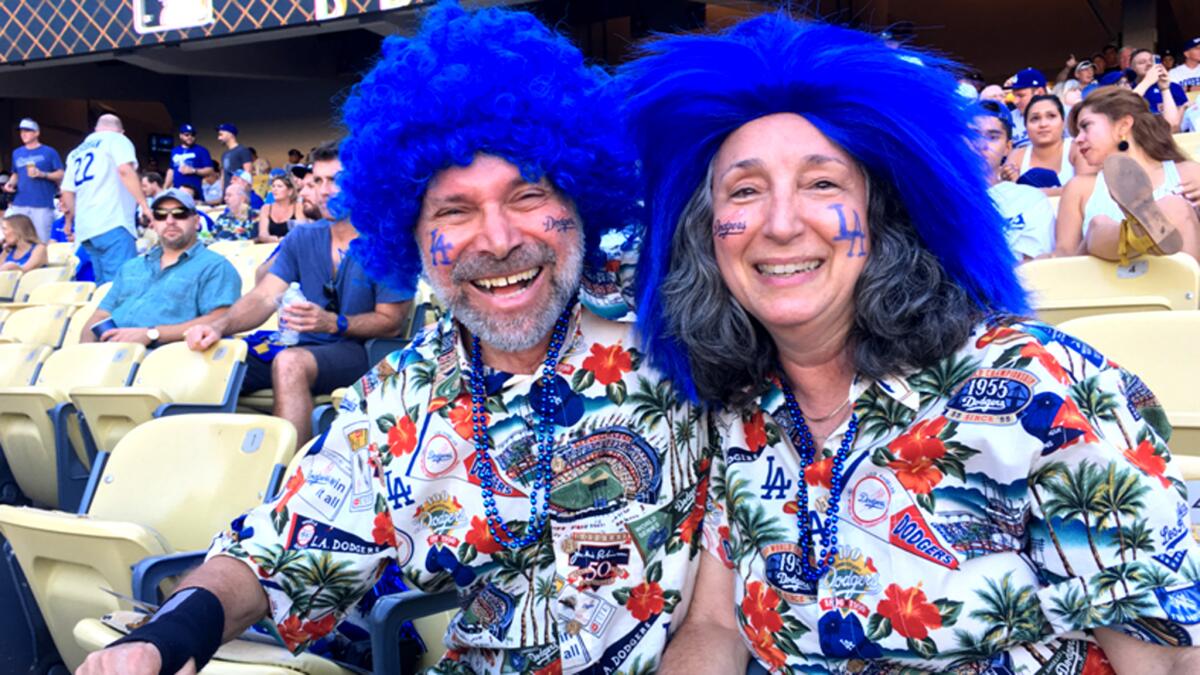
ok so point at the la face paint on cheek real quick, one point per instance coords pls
(439, 246)
(855, 235)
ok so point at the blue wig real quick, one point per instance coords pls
(492, 81)
(897, 114)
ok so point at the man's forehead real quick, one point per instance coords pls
(485, 174)
(327, 168)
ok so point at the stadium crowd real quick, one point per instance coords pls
(503, 220)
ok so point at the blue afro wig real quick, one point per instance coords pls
(491, 81)
(896, 112)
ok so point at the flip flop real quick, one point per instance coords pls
(1145, 228)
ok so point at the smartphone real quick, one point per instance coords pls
(1157, 60)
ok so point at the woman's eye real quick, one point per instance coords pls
(742, 192)
(824, 185)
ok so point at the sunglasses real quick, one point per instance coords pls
(179, 213)
(331, 297)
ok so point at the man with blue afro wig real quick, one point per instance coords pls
(520, 451)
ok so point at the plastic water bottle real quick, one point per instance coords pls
(287, 336)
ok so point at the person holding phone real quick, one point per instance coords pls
(1165, 97)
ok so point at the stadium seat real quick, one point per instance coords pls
(41, 325)
(62, 293)
(227, 248)
(8, 284)
(20, 363)
(78, 320)
(1190, 142)
(1068, 288)
(39, 277)
(59, 253)
(169, 485)
(101, 291)
(39, 432)
(171, 380)
(1160, 347)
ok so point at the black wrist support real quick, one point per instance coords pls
(189, 625)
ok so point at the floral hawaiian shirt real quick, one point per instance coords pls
(397, 479)
(996, 506)
(228, 227)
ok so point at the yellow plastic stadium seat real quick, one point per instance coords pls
(60, 252)
(256, 254)
(167, 488)
(41, 325)
(169, 376)
(101, 291)
(19, 363)
(228, 248)
(62, 293)
(1160, 347)
(40, 277)
(1190, 142)
(33, 420)
(79, 319)
(1068, 288)
(8, 284)
(1054, 203)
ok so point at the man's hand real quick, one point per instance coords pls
(186, 169)
(307, 317)
(9, 187)
(1010, 171)
(201, 336)
(1164, 79)
(1071, 62)
(131, 657)
(137, 335)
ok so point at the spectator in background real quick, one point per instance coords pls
(274, 219)
(5, 196)
(1047, 149)
(205, 224)
(992, 92)
(1112, 61)
(210, 187)
(1168, 60)
(190, 163)
(100, 194)
(1165, 97)
(177, 284)
(1125, 57)
(260, 181)
(152, 184)
(37, 171)
(1187, 74)
(244, 179)
(344, 308)
(236, 157)
(1030, 229)
(238, 221)
(1100, 64)
(295, 159)
(23, 249)
(1111, 126)
(1027, 83)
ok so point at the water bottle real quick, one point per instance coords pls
(286, 336)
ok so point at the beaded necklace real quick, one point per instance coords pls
(544, 410)
(806, 448)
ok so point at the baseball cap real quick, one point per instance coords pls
(994, 109)
(277, 172)
(1084, 64)
(1028, 79)
(1191, 44)
(1112, 78)
(226, 126)
(187, 129)
(178, 195)
(29, 125)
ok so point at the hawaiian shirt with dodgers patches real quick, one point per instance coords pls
(996, 506)
(397, 479)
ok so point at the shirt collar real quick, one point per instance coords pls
(155, 254)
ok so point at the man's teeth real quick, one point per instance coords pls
(500, 282)
(789, 268)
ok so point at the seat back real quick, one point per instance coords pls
(1160, 348)
(101, 291)
(228, 248)
(192, 377)
(8, 284)
(40, 277)
(43, 325)
(78, 320)
(1068, 288)
(62, 293)
(59, 253)
(19, 363)
(1190, 143)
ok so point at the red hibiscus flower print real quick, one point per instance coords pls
(321, 627)
(755, 431)
(687, 530)
(290, 489)
(481, 538)
(1035, 351)
(820, 473)
(551, 669)
(763, 644)
(1096, 662)
(460, 415)
(292, 633)
(1148, 461)
(384, 532)
(760, 606)
(608, 363)
(910, 613)
(402, 437)
(917, 452)
(645, 600)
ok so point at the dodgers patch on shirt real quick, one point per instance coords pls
(992, 396)
(307, 533)
(784, 574)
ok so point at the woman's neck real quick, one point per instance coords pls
(1051, 153)
(819, 371)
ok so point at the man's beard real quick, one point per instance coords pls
(512, 333)
(311, 211)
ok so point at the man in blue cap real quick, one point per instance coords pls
(1187, 74)
(236, 157)
(1027, 83)
(189, 162)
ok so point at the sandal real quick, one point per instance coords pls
(1145, 228)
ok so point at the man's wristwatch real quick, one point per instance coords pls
(342, 324)
(154, 335)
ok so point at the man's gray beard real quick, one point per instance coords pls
(513, 334)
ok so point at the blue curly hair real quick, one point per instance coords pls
(491, 81)
(895, 112)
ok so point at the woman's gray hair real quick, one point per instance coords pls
(909, 313)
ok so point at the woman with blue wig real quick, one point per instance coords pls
(912, 477)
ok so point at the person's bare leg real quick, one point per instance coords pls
(1186, 219)
(293, 372)
(1103, 238)
(1104, 233)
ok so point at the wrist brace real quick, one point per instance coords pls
(189, 625)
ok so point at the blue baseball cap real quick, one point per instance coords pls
(178, 195)
(1112, 78)
(1191, 44)
(187, 129)
(226, 126)
(1028, 78)
(277, 172)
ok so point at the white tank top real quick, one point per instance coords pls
(1102, 203)
(1065, 172)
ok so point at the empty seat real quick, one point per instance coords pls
(8, 284)
(170, 380)
(101, 291)
(168, 487)
(40, 277)
(228, 247)
(1068, 288)
(59, 253)
(20, 363)
(40, 325)
(39, 433)
(1190, 142)
(62, 293)
(1160, 347)
(78, 320)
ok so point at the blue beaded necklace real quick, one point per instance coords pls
(544, 408)
(803, 440)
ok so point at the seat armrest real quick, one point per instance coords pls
(148, 573)
(168, 409)
(391, 612)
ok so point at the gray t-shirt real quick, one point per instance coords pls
(233, 161)
(304, 256)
